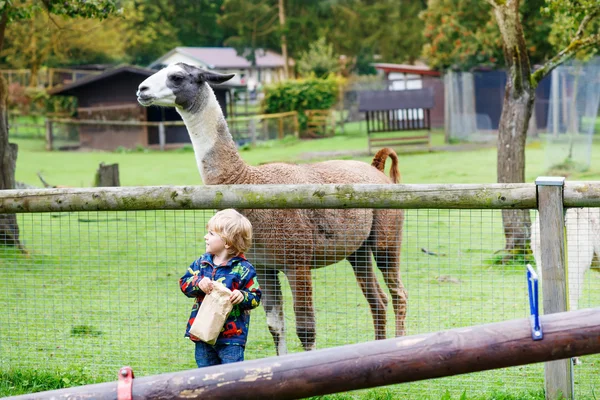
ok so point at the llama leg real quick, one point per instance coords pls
(387, 241)
(363, 269)
(388, 262)
(272, 302)
(301, 284)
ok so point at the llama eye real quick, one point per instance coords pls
(177, 78)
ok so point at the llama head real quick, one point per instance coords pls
(179, 85)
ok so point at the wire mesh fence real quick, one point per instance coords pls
(572, 114)
(99, 290)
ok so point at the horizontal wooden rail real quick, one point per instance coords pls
(231, 120)
(467, 196)
(581, 194)
(366, 365)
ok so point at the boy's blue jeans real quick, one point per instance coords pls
(207, 355)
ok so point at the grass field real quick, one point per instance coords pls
(100, 289)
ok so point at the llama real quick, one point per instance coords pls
(583, 247)
(297, 240)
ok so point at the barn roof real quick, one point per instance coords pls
(121, 69)
(226, 57)
(406, 69)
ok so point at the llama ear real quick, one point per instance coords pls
(214, 77)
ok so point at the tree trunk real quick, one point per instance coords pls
(9, 230)
(514, 121)
(284, 51)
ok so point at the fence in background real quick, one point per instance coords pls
(99, 289)
(46, 77)
(67, 133)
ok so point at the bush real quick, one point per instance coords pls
(28, 100)
(303, 94)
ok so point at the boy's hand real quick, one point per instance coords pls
(206, 285)
(236, 297)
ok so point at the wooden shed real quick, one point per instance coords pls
(110, 96)
(407, 77)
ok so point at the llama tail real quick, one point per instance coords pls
(379, 163)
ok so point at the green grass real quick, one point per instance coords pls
(99, 290)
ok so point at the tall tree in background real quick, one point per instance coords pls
(45, 40)
(462, 34)
(388, 28)
(149, 29)
(197, 22)
(284, 52)
(12, 11)
(520, 92)
(256, 26)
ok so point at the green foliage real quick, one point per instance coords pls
(253, 24)
(461, 34)
(303, 94)
(318, 60)
(98, 9)
(388, 28)
(150, 29)
(85, 330)
(14, 382)
(31, 100)
(566, 17)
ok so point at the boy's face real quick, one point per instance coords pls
(215, 245)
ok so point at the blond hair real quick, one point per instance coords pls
(234, 228)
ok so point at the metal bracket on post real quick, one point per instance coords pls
(532, 288)
(125, 384)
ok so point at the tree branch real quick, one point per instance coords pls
(564, 55)
(586, 20)
(496, 3)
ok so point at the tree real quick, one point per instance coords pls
(56, 40)
(520, 92)
(197, 22)
(319, 60)
(469, 28)
(256, 25)
(13, 11)
(388, 28)
(150, 31)
(463, 34)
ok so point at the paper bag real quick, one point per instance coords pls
(213, 312)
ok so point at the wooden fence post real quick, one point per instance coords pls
(296, 126)
(49, 135)
(162, 137)
(252, 129)
(107, 175)
(558, 374)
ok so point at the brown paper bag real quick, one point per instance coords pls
(213, 312)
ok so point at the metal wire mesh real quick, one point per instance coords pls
(99, 290)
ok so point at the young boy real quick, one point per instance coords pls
(229, 236)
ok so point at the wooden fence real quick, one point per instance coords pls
(252, 130)
(363, 365)
(46, 77)
(549, 195)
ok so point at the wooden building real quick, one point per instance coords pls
(411, 77)
(111, 96)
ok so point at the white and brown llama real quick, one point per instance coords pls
(583, 247)
(291, 241)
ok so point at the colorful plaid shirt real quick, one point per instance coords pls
(238, 274)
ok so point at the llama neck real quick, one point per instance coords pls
(216, 155)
